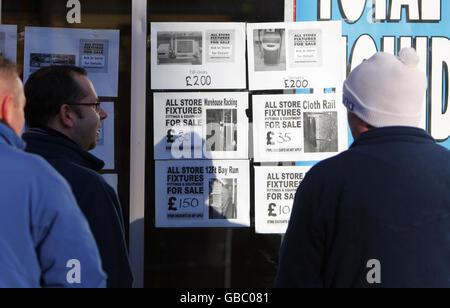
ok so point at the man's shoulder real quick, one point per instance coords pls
(80, 175)
(37, 179)
(331, 165)
(28, 163)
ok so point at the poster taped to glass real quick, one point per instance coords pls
(8, 42)
(198, 56)
(201, 125)
(275, 189)
(97, 51)
(300, 55)
(202, 193)
(299, 127)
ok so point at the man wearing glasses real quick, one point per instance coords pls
(64, 117)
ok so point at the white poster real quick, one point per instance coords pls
(105, 140)
(8, 42)
(97, 51)
(294, 55)
(202, 193)
(275, 189)
(192, 56)
(299, 127)
(201, 125)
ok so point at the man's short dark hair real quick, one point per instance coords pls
(47, 90)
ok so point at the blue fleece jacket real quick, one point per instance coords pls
(45, 240)
(377, 215)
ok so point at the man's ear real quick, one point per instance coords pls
(357, 126)
(67, 116)
(2, 104)
(7, 112)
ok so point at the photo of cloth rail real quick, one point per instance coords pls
(320, 132)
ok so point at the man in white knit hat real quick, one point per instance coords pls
(377, 215)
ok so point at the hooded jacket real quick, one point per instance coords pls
(45, 240)
(377, 215)
(96, 198)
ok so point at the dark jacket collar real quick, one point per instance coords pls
(52, 144)
(393, 133)
(8, 136)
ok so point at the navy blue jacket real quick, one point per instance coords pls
(97, 200)
(385, 199)
(42, 230)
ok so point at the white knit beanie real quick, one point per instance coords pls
(386, 90)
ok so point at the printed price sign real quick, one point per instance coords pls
(202, 193)
(198, 56)
(298, 127)
(276, 188)
(209, 125)
(296, 55)
(97, 51)
(93, 53)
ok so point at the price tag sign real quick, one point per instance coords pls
(198, 80)
(202, 193)
(276, 188)
(300, 55)
(198, 56)
(299, 127)
(211, 125)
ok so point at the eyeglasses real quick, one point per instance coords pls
(97, 106)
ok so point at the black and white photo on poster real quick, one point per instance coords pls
(269, 50)
(40, 60)
(202, 193)
(295, 55)
(221, 130)
(275, 189)
(298, 127)
(223, 198)
(97, 51)
(197, 55)
(179, 47)
(320, 132)
(211, 125)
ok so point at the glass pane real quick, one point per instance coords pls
(207, 257)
